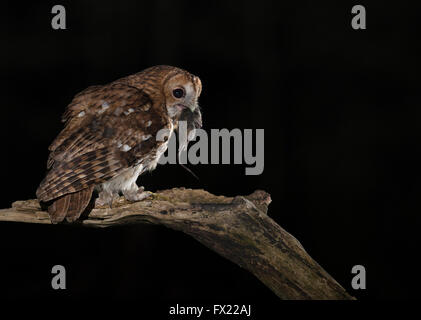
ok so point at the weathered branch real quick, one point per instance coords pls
(237, 228)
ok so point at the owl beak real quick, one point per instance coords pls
(190, 106)
(193, 106)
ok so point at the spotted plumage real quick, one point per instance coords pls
(110, 138)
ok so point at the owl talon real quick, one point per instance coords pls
(105, 199)
(137, 195)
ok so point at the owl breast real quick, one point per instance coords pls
(123, 181)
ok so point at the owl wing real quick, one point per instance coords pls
(106, 131)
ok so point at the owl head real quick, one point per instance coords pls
(182, 92)
(179, 88)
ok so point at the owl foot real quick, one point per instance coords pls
(105, 198)
(136, 194)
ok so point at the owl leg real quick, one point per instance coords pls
(136, 193)
(105, 198)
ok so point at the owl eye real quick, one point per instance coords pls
(178, 93)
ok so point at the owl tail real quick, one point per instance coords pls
(70, 206)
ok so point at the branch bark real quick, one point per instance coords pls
(237, 228)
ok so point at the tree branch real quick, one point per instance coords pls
(237, 228)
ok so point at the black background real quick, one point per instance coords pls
(340, 109)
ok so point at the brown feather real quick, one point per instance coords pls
(78, 203)
(58, 209)
(70, 206)
(88, 169)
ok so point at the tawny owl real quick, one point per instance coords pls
(110, 138)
